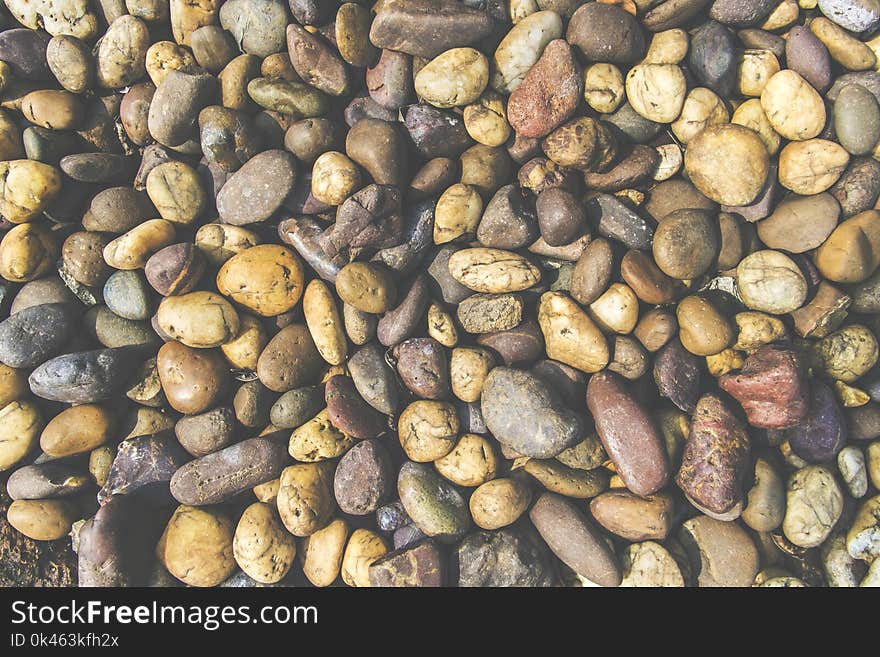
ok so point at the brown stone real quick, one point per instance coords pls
(634, 170)
(418, 565)
(642, 274)
(369, 218)
(426, 28)
(192, 379)
(364, 478)
(217, 477)
(517, 345)
(315, 61)
(723, 553)
(823, 314)
(632, 517)
(606, 33)
(349, 412)
(575, 539)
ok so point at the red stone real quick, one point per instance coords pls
(549, 94)
(771, 388)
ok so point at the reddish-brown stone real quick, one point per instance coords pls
(349, 412)
(715, 458)
(771, 387)
(549, 93)
(628, 433)
(417, 565)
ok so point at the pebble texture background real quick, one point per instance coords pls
(440, 293)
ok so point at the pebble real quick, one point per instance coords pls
(575, 540)
(628, 433)
(770, 387)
